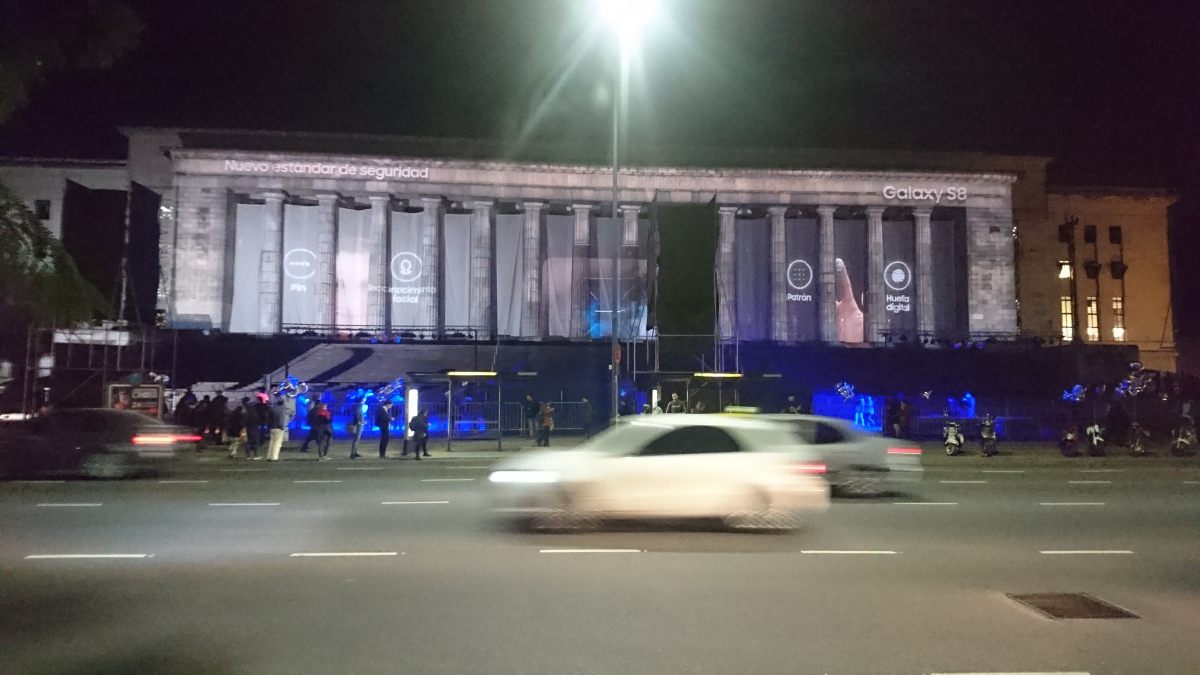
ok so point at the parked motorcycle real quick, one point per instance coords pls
(953, 438)
(1068, 440)
(1137, 442)
(987, 436)
(1183, 438)
(1095, 436)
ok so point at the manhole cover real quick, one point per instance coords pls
(1071, 606)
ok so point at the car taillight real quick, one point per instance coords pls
(807, 467)
(163, 439)
(904, 451)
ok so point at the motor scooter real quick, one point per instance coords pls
(1137, 442)
(987, 436)
(1183, 438)
(953, 438)
(1095, 437)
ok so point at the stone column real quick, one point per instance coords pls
(629, 268)
(726, 289)
(991, 272)
(826, 293)
(270, 266)
(326, 279)
(580, 263)
(876, 319)
(531, 309)
(431, 228)
(481, 265)
(378, 298)
(924, 271)
(779, 325)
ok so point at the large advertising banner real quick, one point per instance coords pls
(899, 287)
(556, 274)
(510, 276)
(850, 278)
(949, 266)
(457, 256)
(411, 290)
(607, 234)
(353, 266)
(247, 263)
(752, 260)
(301, 227)
(803, 261)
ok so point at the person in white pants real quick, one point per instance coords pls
(276, 420)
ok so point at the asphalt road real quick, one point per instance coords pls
(910, 583)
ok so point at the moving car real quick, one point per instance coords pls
(88, 442)
(748, 472)
(856, 461)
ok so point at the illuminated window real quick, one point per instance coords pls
(1119, 319)
(1093, 320)
(1064, 269)
(1068, 321)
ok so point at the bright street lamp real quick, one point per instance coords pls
(627, 18)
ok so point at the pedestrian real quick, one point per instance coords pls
(905, 419)
(675, 405)
(255, 420)
(547, 424)
(200, 421)
(358, 420)
(236, 428)
(276, 421)
(419, 426)
(589, 417)
(699, 409)
(309, 418)
(383, 420)
(183, 409)
(533, 413)
(322, 424)
(218, 412)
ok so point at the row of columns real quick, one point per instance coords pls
(826, 273)
(430, 223)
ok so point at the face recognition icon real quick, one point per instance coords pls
(300, 264)
(406, 267)
(897, 276)
(799, 275)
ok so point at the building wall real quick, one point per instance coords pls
(36, 180)
(1142, 216)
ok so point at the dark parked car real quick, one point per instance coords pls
(89, 442)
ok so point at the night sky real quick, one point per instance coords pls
(1108, 88)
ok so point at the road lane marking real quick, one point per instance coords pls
(1003, 471)
(1102, 471)
(850, 552)
(1090, 482)
(1072, 503)
(402, 503)
(245, 504)
(360, 468)
(180, 482)
(38, 482)
(242, 470)
(591, 550)
(963, 482)
(84, 556)
(924, 503)
(344, 554)
(1086, 552)
(316, 481)
(446, 480)
(66, 504)
(1055, 672)
(466, 467)
(1191, 482)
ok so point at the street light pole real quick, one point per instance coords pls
(618, 96)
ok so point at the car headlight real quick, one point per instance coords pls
(523, 477)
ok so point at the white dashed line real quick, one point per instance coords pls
(591, 550)
(446, 480)
(360, 468)
(1090, 482)
(345, 554)
(1086, 552)
(38, 482)
(316, 481)
(1191, 482)
(84, 556)
(245, 504)
(242, 470)
(963, 482)
(1055, 672)
(1102, 470)
(851, 552)
(68, 505)
(1003, 471)
(180, 482)
(924, 503)
(1072, 503)
(410, 503)
(467, 467)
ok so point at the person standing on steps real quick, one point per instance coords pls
(383, 420)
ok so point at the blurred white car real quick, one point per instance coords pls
(749, 472)
(856, 461)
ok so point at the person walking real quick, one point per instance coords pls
(276, 421)
(236, 428)
(383, 420)
(255, 419)
(675, 405)
(309, 419)
(589, 417)
(547, 423)
(358, 420)
(533, 412)
(419, 426)
(322, 421)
